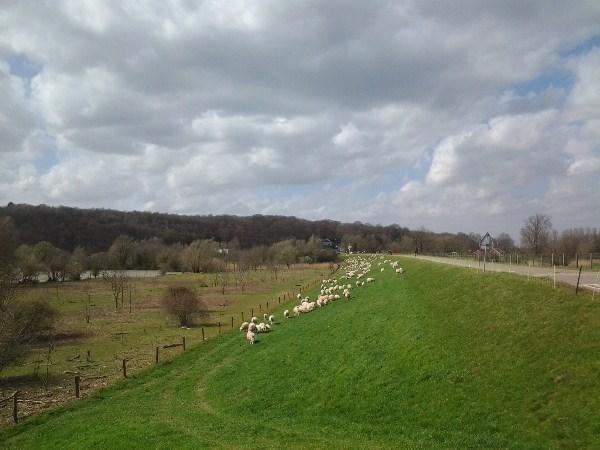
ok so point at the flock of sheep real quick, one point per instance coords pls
(331, 290)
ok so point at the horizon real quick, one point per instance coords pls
(455, 117)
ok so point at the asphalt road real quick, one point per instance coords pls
(589, 280)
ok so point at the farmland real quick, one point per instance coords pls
(439, 357)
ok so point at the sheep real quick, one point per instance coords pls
(265, 316)
(399, 270)
(244, 326)
(252, 327)
(251, 337)
(382, 269)
(254, 320)
(296, 311)
(298, 296)
(271, 318)
(286, 314)
(370, 280)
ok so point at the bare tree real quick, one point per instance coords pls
(535, 233)
(118, 281)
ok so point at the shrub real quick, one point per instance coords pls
(20, 324)
(183, 304)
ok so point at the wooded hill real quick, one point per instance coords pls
(96, 229)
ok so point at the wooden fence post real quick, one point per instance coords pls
(576, 259)
(124, 368)
(231, 321)
(219, 324)
(577, 287)
(242, 316)
(183, 342)
(156, 355)
(563, 260)
(251, 312)
(15, 410)
(260, 307)
(203, 333)
(77, 380)
(268, 302)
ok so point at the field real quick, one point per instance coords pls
(440, 357)
(95, 350)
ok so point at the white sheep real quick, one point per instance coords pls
(296, 311)
(382, 269)
(298, 296)
(244, 326)
(271, 318)
(399, 270)
(254, 320)
(370, 280)
(286, 314)
(252, 327)
(251, 337)
(265, 316)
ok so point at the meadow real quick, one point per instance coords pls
(437, 358)
(94, 349)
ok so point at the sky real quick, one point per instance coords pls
(461, 115)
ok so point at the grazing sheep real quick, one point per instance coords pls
(244, 326)
(251, 337)
(296, 311)
(265, 316)
(370, 280)
(382, 269)
(252, 327)
(271, 318)
(298, 296)
(286, 314)
(399, 270)
(254, 320)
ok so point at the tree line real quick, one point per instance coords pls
(202, 255)
(96, 229)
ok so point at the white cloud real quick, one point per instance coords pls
(412, 113)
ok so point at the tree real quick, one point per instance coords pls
(505, 242)
(27, 263)
(183, 304)
(123, 248)
(285, 252)
(77, 263)
(535, 233)
(53, 260)
(198, 255)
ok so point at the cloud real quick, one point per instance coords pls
(422, 113)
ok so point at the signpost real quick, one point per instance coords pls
(485, 243)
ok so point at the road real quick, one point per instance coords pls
(589, 280)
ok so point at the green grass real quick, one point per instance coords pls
(441, 357)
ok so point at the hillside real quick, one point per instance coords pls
(440, 357)
(96, 229)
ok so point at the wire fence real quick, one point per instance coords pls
(584, 260)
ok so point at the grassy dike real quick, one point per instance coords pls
(442, 357)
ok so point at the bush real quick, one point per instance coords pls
(20, 324)
(183, 304)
